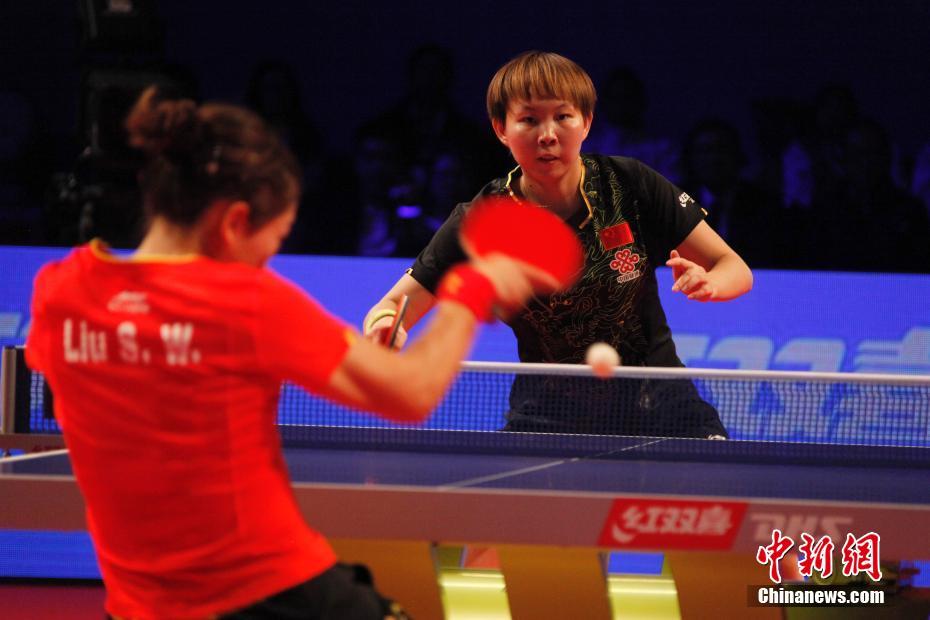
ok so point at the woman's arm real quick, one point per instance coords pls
(705, 268)
(442, 252)
(406, 386)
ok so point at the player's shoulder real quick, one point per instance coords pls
(495, 187)
(274, 288)
(646, 180)
(631, 173)
(268, 279)
(627, 166)
(62, 279)
(59, 270)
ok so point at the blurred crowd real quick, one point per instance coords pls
(825, 186)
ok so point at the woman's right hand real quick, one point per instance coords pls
(379, 331)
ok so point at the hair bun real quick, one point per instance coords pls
(163, 126)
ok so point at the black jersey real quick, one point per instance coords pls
(634, 218)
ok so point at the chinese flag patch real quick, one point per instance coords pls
(616, 236)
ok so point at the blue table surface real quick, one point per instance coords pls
(521, 462)
(850, 481)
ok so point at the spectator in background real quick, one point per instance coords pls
(620, 125)
(449, 183)
(426, 120)
(374, 210)
(819, 147)
(920, 180)
(24, 171)
(777, 123)
(871, 224)
(274, 93)
(381, 188)
(738, 209)
(181, 80)
(797, 186)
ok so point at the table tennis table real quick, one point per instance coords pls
(552, 513)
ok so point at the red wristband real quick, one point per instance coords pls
(465, 285)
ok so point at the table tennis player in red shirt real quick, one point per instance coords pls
(166, 366)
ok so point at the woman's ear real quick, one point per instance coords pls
(498, 126)
(235, 224)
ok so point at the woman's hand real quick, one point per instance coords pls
(691, 279)
(380, 330)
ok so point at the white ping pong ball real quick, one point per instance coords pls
(602, 358)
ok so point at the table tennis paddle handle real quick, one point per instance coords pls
(390, 338)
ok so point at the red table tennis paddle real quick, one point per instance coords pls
(523, 231)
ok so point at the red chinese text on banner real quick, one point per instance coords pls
(672, 524)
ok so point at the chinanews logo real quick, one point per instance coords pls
(859, 554)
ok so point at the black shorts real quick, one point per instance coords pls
(344, 592)
(619, 406)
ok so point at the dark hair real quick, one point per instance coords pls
(543, 75)
(199, 154)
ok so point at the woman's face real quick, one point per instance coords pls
(258, 247)
(544, 136)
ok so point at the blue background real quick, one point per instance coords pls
(792, 320)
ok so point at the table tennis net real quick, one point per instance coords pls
(794, 407)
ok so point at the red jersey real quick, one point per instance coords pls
(166, 375)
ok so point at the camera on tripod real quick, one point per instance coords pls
(122, 44)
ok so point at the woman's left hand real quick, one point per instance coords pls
(690, 278)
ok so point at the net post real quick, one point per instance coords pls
(8, 390)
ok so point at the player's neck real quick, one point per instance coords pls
(166, 238)
(561, 196)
